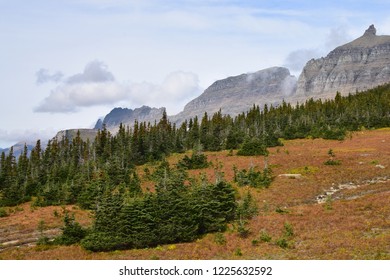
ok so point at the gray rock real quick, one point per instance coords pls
(238, 94)
(128, 116)
(359, 65)
(85, 134)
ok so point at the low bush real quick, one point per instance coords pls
(282, 243)
(332, 162)
(72, 232)
(103, 242)
(252, 178)
(265, 237)
(196, 161)
(3, 213)
(219, 238)
(252, 147)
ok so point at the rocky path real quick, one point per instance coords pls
(13, 237)
(335, 192)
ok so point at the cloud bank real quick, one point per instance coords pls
(96, 85)
(30, 136)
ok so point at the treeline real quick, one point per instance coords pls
(80, 172)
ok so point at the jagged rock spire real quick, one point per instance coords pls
(370, 31)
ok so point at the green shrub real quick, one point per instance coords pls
(281, 211)
(288, 230)
(247, 208)
(3, 213)
(282, 243)
(196, 161)
(252, 147)
(72, 232)
(264, 236)
(333, 133)
(238, 252)
(332, 162)
(101, 241)
(219, 238)
(255, 242)
(252, 178)
(243, 231)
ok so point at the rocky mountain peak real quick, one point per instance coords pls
(356, 66)
(371, 31)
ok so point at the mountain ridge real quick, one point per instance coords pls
(358, 65)
(237, 94)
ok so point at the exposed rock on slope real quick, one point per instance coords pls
(237, 94)
(128, 116)
(85, 133)
(359, 65)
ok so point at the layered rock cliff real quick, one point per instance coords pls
(237, 94)
(359, 65)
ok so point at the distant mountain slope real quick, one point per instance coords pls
(237, 94)
(18, 148)
(359, 65)
(128, 116)
(85, 134)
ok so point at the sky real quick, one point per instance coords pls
(66, 63)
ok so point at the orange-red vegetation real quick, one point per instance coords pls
(352, 223)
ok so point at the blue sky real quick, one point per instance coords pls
(64, 64)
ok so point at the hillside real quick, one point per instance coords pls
(352, 223)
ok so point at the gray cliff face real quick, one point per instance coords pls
(128, 116)
(85, 134)
(237, 94)
(359, 65)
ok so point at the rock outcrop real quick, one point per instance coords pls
(85, 134)
(128, 116)
(237, 94)
(359, 65)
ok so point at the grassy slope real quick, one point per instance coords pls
(354, 224)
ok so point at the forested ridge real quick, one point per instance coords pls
(101, 175)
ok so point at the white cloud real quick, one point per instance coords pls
(296, 60)
(94, 72)
(180, 85)
(30, 136)
(177, 89)
(97, 86)
(68, 98)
